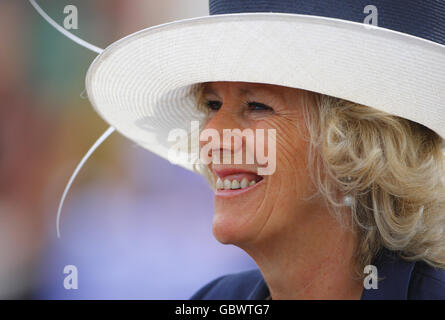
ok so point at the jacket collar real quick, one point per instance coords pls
(260, 291)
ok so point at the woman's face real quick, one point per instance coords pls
(258, 211)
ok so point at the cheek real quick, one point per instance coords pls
(291, 177)
(291, 147)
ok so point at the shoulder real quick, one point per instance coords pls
(235, 286)
(427, 282)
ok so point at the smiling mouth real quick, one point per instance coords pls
(235, 181)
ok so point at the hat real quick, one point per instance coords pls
(389, 56)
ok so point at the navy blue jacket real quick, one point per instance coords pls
(400, 280)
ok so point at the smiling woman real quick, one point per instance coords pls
(354, 206)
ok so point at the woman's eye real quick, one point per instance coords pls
(256, 106)
(213, 105)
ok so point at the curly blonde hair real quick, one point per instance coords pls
(391, 167)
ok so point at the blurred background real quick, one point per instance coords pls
(135, 226)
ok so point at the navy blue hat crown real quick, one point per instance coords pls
(421, 18)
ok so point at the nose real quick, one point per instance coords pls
(220, 137)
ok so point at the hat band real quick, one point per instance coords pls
(421, 18)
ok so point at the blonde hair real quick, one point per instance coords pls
(393, 169)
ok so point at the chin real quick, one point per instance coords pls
(230, 229)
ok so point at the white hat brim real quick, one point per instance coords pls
(142, 85)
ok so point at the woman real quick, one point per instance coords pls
(354, 207)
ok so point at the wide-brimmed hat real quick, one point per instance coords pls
(389, 55)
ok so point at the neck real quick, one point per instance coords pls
(309, 260)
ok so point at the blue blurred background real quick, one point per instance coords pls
(135, 226)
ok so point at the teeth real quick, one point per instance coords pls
(219, 184)
(234, 184)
